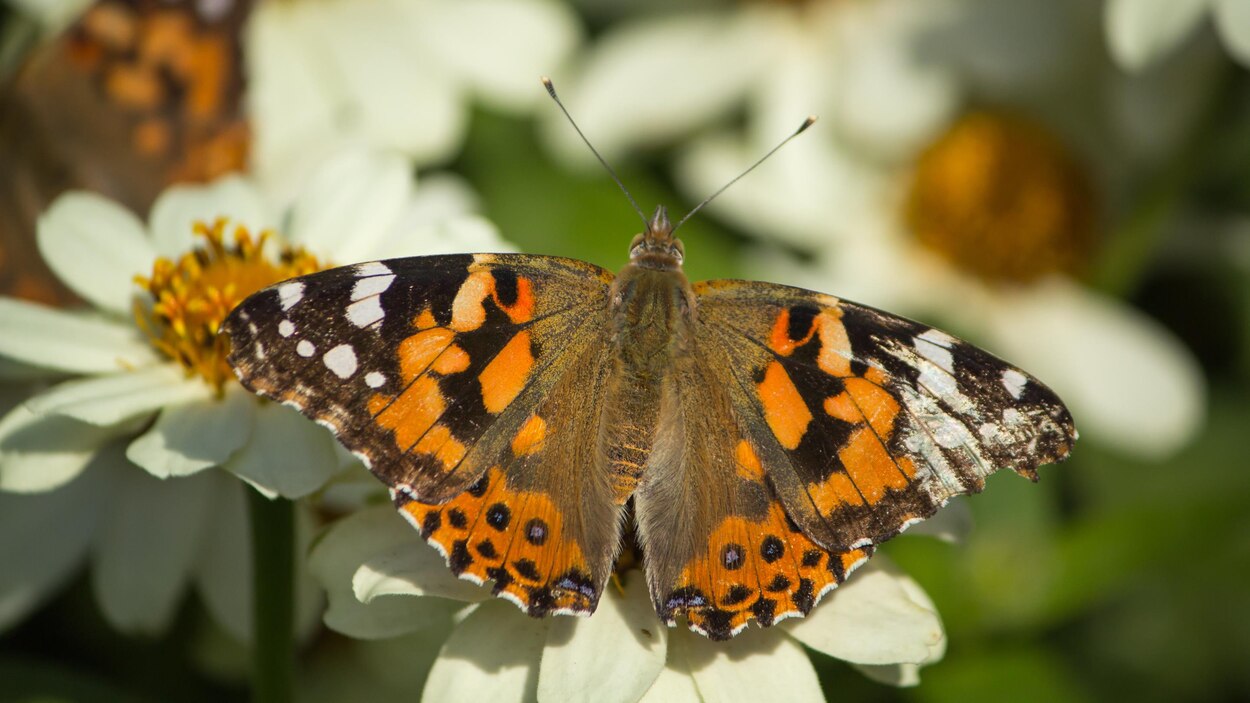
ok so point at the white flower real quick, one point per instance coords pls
(144, 508)
(372, 564)
(858, 65)
(1142, 32)
(395, 74)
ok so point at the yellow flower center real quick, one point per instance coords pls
(191, 296)
(1001, 198)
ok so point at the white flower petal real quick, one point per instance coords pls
(901, 675)
(953, 523)
(1232, 19)
(1128, 381)
(176, 211)
(223, 571)
(890, 99)
(391, 96)
(191, 437)
(673, 685)
(147, 547)
(350, 203)
(412, 569)
(879, 616)
(286, 455)
(43, 539)
(337, 557)
(492, 656)
(96, 247)
(657, 79)
(439, 219)
(108, 400)
(515, 41)
(386, 556)
(574, 665)
(756, 665)
(790, 195)
(291, 110)
(16, 372)
(393, 669)
(71, 342)
(41, 453)
(1142, 31)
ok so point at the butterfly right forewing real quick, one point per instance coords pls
(869, 422)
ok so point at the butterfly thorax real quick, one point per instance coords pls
(652, 316)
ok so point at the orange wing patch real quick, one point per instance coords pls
(784, 410)
(870, 471)
(763, 570)
(515, 538)
(506, 375)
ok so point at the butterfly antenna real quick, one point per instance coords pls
(551, 90)
(811, 120)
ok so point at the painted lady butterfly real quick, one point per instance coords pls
(758, 439)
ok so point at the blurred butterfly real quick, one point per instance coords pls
(134, 96)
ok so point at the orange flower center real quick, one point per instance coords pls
(1001, 198)
(190, 297)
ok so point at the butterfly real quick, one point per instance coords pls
(759, 440)
(132, 97)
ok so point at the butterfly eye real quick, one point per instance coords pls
(635, 247)
(678, 250)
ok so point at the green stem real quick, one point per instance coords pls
(273, 586)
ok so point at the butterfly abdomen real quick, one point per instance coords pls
(651, 318)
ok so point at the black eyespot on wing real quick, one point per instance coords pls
(498, 516)
(772, 549)
(536, 532)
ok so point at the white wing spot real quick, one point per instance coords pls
(366, 306)
(341, 360)
(286, 328)
(935, 351)
(290, 293)
(305, 348)
(372, 268)
(374, 379)
(363, 313)
(937, 337)
(1014, 382)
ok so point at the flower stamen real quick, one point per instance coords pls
(1001, 198)
(189, 298)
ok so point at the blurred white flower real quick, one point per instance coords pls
(1143, 32)
(69, 457)
(860, 66)
(372, 564)
(393, 74)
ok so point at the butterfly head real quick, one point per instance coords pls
(657, 248)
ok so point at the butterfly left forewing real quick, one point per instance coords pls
(462, 381)
(867, 422)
